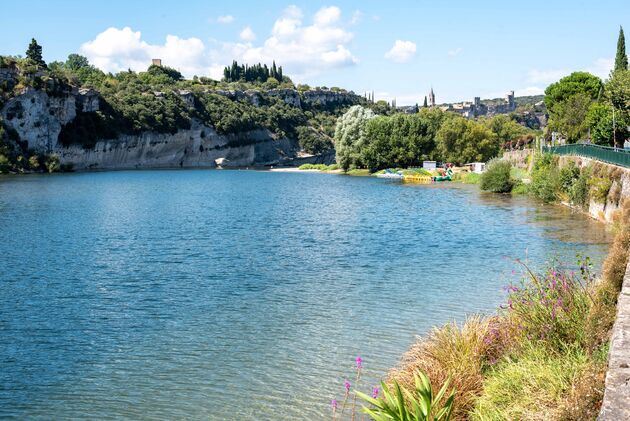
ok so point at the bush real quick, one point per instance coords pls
(578, 192)
(600, 186)
(497, 178)
(546, 182)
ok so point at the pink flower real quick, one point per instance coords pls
(347, 385)
(375, 392)
(333, 403)
(359, 363)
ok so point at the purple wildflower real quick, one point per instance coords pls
(333, 403)
(347, 385)
(375, 393)
(359, 363)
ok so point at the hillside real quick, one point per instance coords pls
(81, 114)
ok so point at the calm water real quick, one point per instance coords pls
(240, 295)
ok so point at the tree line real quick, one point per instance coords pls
(255, 73)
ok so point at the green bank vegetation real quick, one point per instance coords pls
(542, 356)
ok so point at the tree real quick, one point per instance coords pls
(617, 93)
(77, 62)
(505, 128)
(34, 53)
(350, 136)
(600, 122)
(425, 105)
(460, 140)
(621, 59)
(568, 101)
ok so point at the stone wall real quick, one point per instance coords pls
(616, 404)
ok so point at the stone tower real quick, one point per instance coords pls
(509, 100)
(431, 98)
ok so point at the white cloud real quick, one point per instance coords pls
(401, 52)
(455, 51)
(225, 19)
(546, 76)
(303, 50)
(114, 50)
(528, 91)
(357, 15)
(602, 67)
(247, 34)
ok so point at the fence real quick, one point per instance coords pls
(615, 156)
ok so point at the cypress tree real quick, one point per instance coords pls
(621, 59)
(425, 102)
(34, 53)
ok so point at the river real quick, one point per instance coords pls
(205, 294)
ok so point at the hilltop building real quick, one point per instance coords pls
(431, 98)
(156, 62)
(476, 108)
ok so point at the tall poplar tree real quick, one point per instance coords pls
(621, 59)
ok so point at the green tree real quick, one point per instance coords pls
(600, 122)
(460, 140)
(34, 53)
(617, 94)
(568, 102)
(621, 59)
(77, 62)
(425, 105)
(505, 128)
(350, 136)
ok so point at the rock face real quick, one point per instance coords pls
(38, 117)
(200, 146)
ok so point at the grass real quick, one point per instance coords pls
(542, 357)
(358, 172)
(529, 387)
(319, 167)
(467, 177)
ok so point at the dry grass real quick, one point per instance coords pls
(459, 352)
(583, 400)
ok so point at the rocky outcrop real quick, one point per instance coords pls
(325, 97)
(38, 117)
(201, 146)
(289, 96)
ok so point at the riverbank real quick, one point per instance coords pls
(544, 355)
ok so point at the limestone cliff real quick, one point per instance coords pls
(38, 116)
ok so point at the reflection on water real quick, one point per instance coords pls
(238, 294)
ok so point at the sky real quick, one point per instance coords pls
(398, 49)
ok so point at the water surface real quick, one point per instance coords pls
(200, 294)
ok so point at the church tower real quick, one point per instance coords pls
(431, 98)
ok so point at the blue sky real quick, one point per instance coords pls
(395, 48)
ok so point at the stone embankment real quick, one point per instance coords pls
(616, 405)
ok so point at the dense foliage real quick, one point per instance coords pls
(161, 100)
(497, 178)
(256, 73)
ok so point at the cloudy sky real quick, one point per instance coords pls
(398, 49)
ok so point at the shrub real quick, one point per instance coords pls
(52, 163)
(551, 308)
(545, 183)
(599, 188)
(520, 188)
(497, 177)
(568, 175)
(578, 192)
